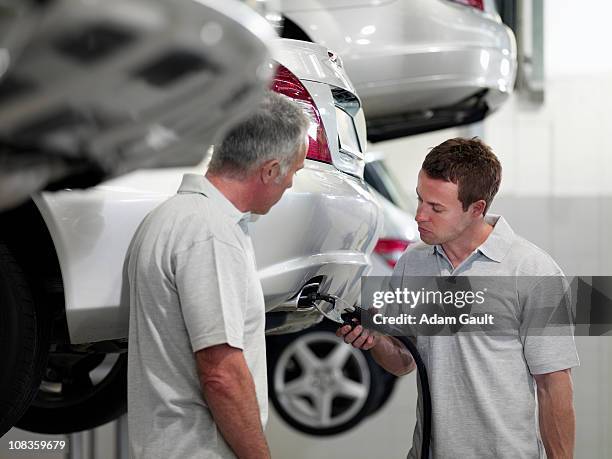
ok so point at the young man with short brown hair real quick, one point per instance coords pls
(482, 386)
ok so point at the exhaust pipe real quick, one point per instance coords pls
(303, 300)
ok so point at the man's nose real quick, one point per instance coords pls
(420, 216)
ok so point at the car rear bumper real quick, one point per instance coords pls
(454, 74)
(417, 56)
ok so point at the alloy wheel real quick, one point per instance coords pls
(321, 381)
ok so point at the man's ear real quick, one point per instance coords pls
(478, 207)
(270, 170)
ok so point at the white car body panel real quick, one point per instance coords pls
(326, 225)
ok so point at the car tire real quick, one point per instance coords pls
(315, 393)
(78, 396)
(24, 340)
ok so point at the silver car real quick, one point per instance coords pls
(418, 65)
(65, 251)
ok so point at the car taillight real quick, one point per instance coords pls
(473, 3)
(391, 249)
(289, 85)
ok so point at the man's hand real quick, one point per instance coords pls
(358, 337)
(557, 417)
(388, 352)
(229, 392)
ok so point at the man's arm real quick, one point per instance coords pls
(229, 392)
(557, 417)
(388, 352)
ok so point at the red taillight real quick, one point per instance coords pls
(473, 3)
(288, 84)
(391, 250)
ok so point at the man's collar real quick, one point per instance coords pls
(196, 183)
(497, 244)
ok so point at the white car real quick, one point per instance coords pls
(61, 255)
(418, 65)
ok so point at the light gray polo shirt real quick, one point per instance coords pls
(193, 284)
(484, 402)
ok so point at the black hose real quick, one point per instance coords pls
(349, 319)
(426, 396)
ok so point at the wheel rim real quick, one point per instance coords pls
(69, 381)
(320, 381)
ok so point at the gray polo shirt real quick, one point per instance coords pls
(193, 284)
(483, 393)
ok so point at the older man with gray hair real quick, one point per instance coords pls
(197, 359)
